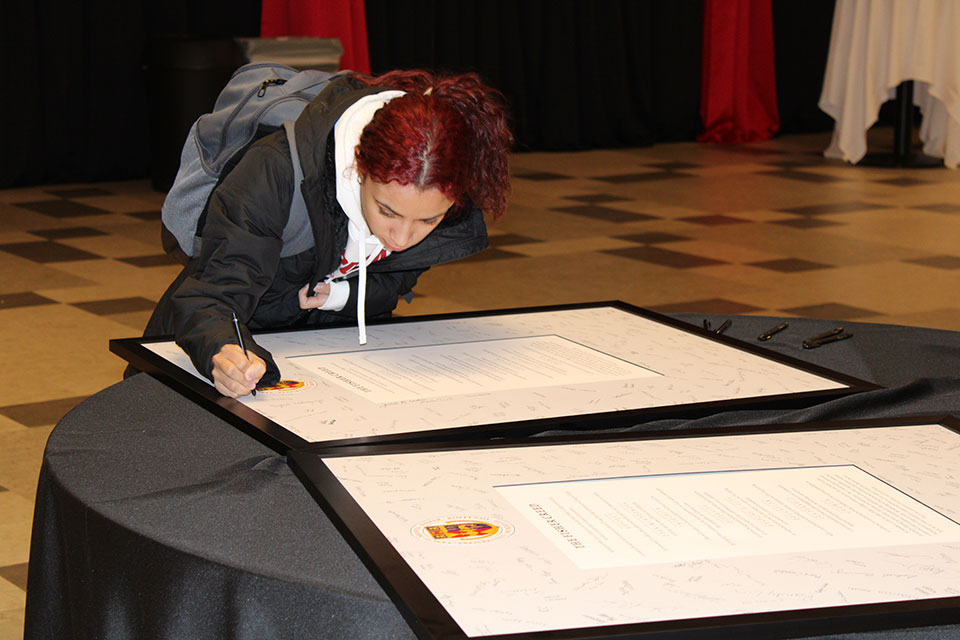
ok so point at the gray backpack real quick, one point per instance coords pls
(257, 94)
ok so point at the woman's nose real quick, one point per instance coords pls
(402, 235)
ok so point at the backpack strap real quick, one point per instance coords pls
(298, 233)
(306, 79)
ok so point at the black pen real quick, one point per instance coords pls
(826, 334)
(236, 326)
(813, 344)
(769, 333)
(723, 327)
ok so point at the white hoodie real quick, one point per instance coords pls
(346, 135)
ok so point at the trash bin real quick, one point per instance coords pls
(185, 76)
(300, 53)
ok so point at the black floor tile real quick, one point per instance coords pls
(44, 252)
(649, 176)
(39, 414)
(940, 262)
(664, 257)
(23, 299)
(596, 198)
(158, 260)
(607, 214)
(117, 305)
(80, 192)
(61, 208)
(68, 232)
(507, 239)
(714, 220)
(802, 176)
(790, 265)
(540, 176)
(833, 207)
(145, 215)
(15, 574)
(652, 237)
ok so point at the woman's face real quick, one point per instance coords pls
(400, 216)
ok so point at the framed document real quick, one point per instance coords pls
(496, 372)
(777, 531)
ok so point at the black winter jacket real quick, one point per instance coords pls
(239, 268)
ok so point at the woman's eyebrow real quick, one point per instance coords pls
(383, 205)
(390, 209)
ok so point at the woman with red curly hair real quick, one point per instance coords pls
(398, 171)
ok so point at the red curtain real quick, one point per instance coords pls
(738, 100)
(343, 19)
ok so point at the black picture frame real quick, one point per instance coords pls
(429, 619)
(277, 437)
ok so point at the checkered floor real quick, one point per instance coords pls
(767, 228)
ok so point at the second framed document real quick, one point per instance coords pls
(780, 531)
(505, 372)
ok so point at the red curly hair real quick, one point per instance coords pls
(448, 132)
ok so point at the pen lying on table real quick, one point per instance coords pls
(825, 338)
(723, 327)
(769, 333)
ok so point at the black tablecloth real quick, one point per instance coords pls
(155, 519)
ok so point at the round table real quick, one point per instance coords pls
(155, 519)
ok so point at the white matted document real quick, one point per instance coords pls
(526, 369)
(760, 528)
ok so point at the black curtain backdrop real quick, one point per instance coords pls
(76, 108)
(577, 74)
(801, 40)
(84, 88)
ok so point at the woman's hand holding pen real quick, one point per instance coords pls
(314, 301)
(235, 372)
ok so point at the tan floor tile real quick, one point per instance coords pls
(120, 203)
(19, 219)
(114, 246)
(11, 237)
(134, 322)
(61, 352)
(928, 232)
(581, 163)
(150, 279)
(25, 194)
(670, 211)
(137, 188)
(763, 215)
(427, 305)
(725, 170)
(829, 245)
(20, 459)
(948, 319)
(734, 193)
(12, 598)
(556, 225)
(15, 528)
(726, 251)
(11, 624)
(7, 425)
(523, 200)
(559, 280)
(146, 232)
(20, 274)
(570, 248)
(889, 288)
(553, 188)
(152, 289)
